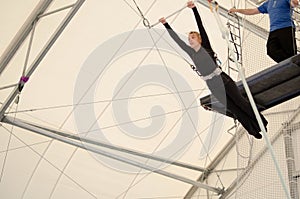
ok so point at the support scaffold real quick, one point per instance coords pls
(225, 35)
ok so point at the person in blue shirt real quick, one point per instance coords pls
(281, 42)
(219, 83)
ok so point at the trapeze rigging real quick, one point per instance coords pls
(266, 87)
(195, 49)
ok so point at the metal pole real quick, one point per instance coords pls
(290, 158)
(42, 54)
(214, 163)
(22, 34)
(259, 31)
(61, 138)
(105, 145)
(258, 156)
(225, 34)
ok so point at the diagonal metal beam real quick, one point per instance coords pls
(259, 31)
(259, 155)
(288, 131)
(214, 163)
(252, 27)
(61, 137)
(9, 120)
(219, 157)
(42, 54)
(23, 33)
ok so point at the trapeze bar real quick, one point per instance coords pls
(169, 16)
(269, 87)
(79, 144)
(250, 97)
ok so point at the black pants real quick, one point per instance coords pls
(227, 93)
(281, 44)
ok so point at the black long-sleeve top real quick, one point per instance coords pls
(204, 58)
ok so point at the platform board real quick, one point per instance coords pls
(270, 87)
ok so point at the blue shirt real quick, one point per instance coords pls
(280, 13)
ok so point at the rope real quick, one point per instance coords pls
(102, 101)
(135, 183)
(182, 57)
(218, 176)
(145, 20)
(150, 26)
(170, 77)
(250, 97)
(31, 147)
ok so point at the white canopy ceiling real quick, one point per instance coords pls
(107, 78)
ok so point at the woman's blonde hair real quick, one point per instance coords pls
(197, 35)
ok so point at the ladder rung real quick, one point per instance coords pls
(236, 27)
(235, 41)
(236, 35)
(238, 44)
(234, 20)
(233, 68)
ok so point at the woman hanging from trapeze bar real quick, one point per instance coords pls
(219, 83)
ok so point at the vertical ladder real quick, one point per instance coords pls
(233, 25)
(296, 18)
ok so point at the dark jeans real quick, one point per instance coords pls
(281, 44)
(227, 93)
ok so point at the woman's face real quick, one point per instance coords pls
(194, 40)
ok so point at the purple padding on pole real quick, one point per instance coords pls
(24, 79)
